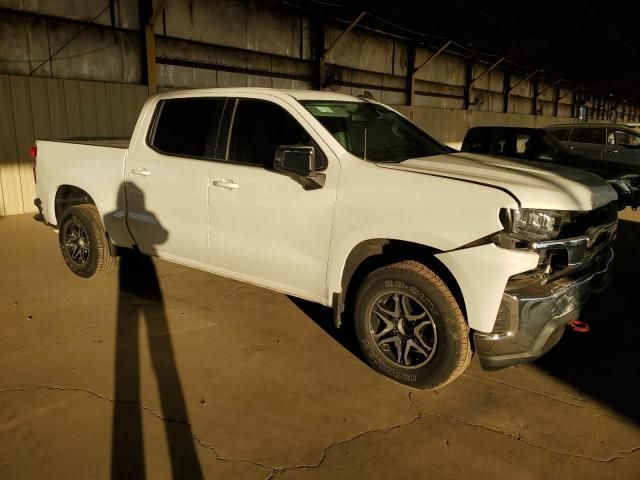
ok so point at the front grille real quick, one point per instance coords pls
(583, 221)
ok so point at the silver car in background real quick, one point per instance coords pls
(613, 144)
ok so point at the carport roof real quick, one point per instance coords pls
(582, 42)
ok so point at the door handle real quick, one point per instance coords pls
(226, 183)
(612, 151)
(571, 147)
(142, 172)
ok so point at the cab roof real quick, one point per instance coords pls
(279, 92)
(587, 124)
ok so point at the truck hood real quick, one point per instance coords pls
(535, 185)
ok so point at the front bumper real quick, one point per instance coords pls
(629, 197)
(532, 318)
(632, 200)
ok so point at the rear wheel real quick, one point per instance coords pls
(83, 242)
(410, 327)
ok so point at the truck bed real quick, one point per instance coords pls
(94, 165)
(113, 142)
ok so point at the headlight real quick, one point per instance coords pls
(631, 179)
(529, 224)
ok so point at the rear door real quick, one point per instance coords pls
(587, 141)
(265, 227)
(167, 179)
(623, 148)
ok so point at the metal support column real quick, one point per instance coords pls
(468, 80)
(556, 94)
(318, 51)
(506, 88)
(411, 73)
(112, 12)
(148, 18)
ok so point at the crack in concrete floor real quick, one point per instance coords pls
(548, 397)
(274, 470)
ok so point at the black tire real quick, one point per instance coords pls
(82, 228)
(431, 318)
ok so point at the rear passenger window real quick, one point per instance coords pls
(259, 128)
(560, 133)
(522, 143)
(189, 127)
(626, 139)
(478, 141)
(587, 135)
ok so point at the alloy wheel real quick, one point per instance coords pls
(403, 329)
(76, 242)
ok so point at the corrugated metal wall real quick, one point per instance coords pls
(32, 107)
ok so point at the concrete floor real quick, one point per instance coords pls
(238, 382)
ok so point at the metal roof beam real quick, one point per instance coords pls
(544, 90)
(486, 71)
(338, 40)
(511, 89)
(432, 57)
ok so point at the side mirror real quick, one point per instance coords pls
(299, 161)
(295, 159)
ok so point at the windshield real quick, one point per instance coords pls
(373, 132)
(556, 148)
(531, 144)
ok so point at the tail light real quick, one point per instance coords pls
(33, 152)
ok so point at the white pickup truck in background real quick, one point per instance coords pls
(429, 255)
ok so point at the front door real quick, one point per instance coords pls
(265, 227)
(167, 180)
(623, 148)
(587, 142)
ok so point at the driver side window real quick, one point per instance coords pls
(592, 135)
(259, 128)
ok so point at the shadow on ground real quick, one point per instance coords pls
(604, 363)
(323, 317)
(140, 301)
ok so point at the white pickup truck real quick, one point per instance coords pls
(429, 255)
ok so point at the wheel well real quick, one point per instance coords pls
(68, 196)
(373, 254)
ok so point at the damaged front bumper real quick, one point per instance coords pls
(532, 318)
(629, 197)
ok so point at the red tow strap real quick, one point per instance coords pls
(578, 326)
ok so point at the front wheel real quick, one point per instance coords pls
(410, 327)
(83, 242)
